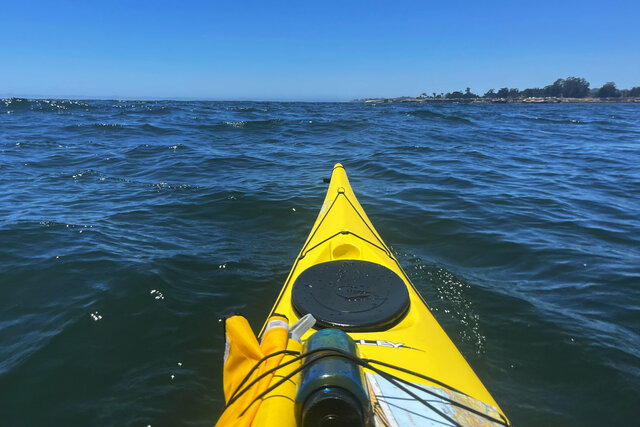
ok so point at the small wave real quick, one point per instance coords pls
(95, 175)
(255, 124)
(108, 125)
(604, 122)
(86, 173)
(104, 126)
(557, 121)
(15, 105)
(119, 127)
(92, 174)
(613, 128)
(158, 130)
(142, 107)
(144, 149)
(236, 124)
(166, 186)
(250, 109)
(429, 114)
(404, 149)
(242, 124)
(57, 225)
(344, 124)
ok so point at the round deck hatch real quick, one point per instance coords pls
(351, 295)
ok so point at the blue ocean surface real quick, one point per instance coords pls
(128, 228)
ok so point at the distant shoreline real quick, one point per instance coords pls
(530, 100)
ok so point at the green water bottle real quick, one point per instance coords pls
(331, 390)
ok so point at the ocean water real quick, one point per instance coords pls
(128, 228)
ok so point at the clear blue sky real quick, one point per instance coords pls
(299, 50)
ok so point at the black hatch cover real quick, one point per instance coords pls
(351, 295)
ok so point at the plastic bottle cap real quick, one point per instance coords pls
(299, 328)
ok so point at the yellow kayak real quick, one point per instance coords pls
(349, 341)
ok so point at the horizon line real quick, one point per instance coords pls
(5, 96)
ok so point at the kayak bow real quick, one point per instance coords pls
(381, 357)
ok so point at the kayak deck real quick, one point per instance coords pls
(349, 341)
(407, 335)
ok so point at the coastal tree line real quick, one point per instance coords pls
(571, 87)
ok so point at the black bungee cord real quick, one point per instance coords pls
(365, 363)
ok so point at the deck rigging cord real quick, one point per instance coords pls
(321, 353)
